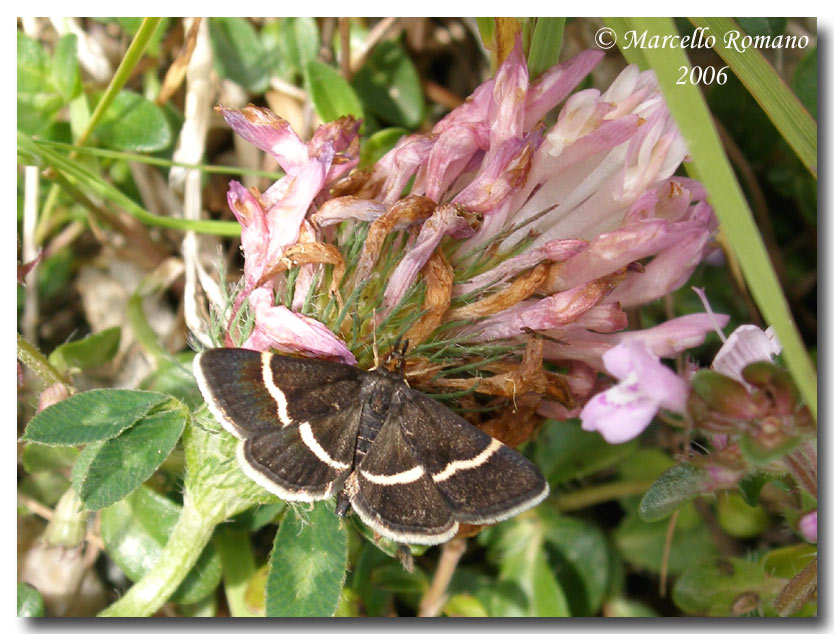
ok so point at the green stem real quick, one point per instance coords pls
(192, 532)
(73, 170)
(132, 57)
(157, 161)
(33, 359)
(600, 493)
(145, 335)
(238, 568)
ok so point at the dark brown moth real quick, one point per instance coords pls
(407, 465)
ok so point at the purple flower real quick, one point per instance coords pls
(622, 412)
(808, 526)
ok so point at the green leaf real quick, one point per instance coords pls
(239, 567)
(761, 451)
(134, 124)
(91, 351)
(464, 605)
(763, 26)
(724, 587)
(90, 416)
(65, 72)
(578, 552)
(36, 112)
(331, 95)
(134, 532)
(788, 561)
(565, 452)
(545, 45)
(256, 517)
(125, 462)
(641, 544)
(307, 565)
(804, 81)
(751, 486)
(289, 44)
(37, 458)
(389, 86)
(33, 68)
(739, 519)
(623, 607)
(239, 54)
(85, 458)
(37, 98)
(518, 548)
(374, 600)
(391, 576)
(175, 378)
(378, 144)
(673, 488)
(645, 464)
(29, 601)
(486, 27)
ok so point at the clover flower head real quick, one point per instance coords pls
(501, 248)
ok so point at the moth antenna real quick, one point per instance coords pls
(401, 359)
(376, 348)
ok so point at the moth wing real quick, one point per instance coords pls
(249, 391)
(298, 418)
(482, 480)
(392, 493)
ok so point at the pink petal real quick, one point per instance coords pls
(503, 171)
(668, 270)
(664, 340)
(449, 156)
(395, 169)
(555, 84)
(619, 413)
(288, 202)
(270, 133)
(509, 93)
(337, 210)
(554, 251)
(746, 344)
(254, 234)
(443, 220)
(551, 312)
(676, 335)
(277, 327)
(611, 251)
(556, 411)
(632, 361)
(808, 526)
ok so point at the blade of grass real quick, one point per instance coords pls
(132, 57)
(712, 168)
(160, 162)
(545, 45)
(790, 117)
(73, 170)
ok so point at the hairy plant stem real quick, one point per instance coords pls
(798, 590)
(192, 532)
(435, 596)
(33, 359)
